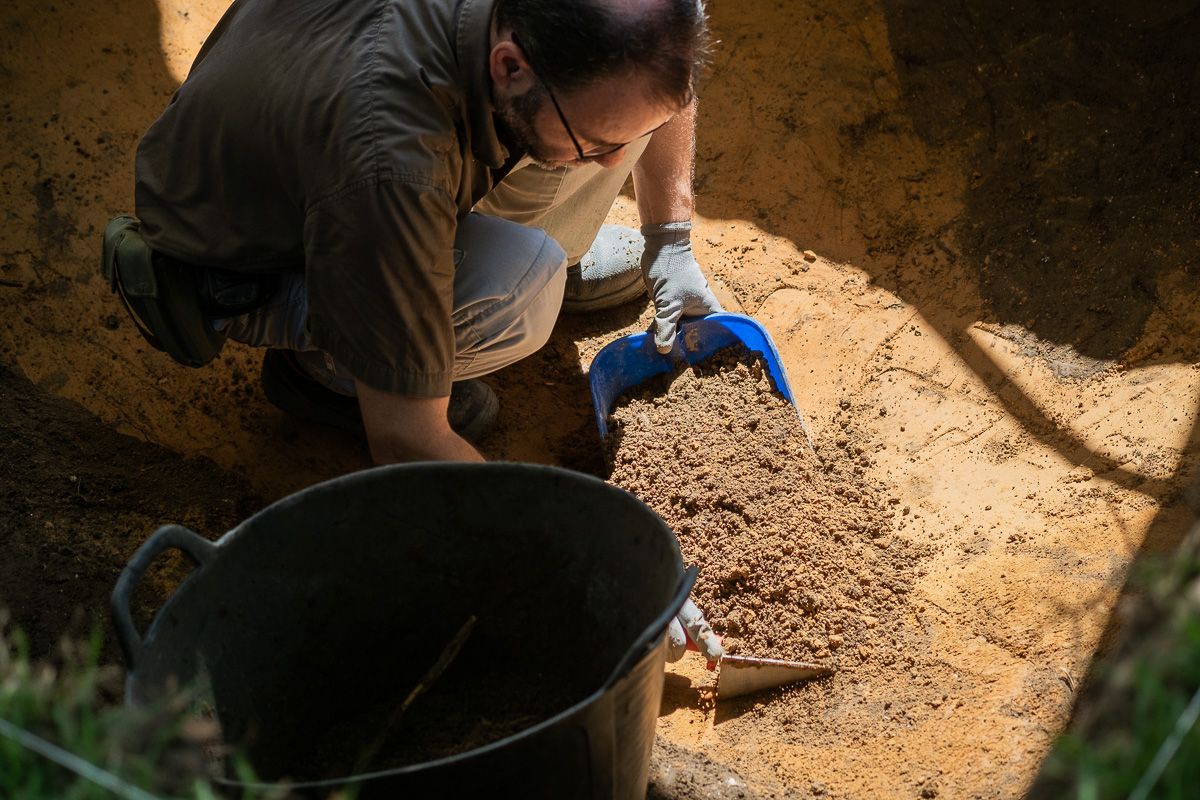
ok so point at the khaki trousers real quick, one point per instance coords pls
(512, 252)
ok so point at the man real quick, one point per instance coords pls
(394, 196)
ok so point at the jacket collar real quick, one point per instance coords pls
(473, 39)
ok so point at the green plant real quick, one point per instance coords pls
(1135, 734)
(64, 735)
(54, 712)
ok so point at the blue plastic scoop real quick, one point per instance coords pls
(633, 359)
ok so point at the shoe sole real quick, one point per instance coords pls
(285, 390)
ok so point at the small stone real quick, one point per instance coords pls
(810, 256)
(836, 641)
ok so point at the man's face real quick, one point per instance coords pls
(608, 114)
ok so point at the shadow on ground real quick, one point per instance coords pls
(1046, 154)
(1080, 125)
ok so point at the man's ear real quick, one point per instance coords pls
(511, 73)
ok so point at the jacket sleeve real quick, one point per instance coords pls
(379, 270)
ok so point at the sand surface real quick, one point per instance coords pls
(972, 233)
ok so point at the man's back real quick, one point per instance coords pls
(291, 102)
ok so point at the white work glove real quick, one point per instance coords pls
(689, 623)
(674, 280)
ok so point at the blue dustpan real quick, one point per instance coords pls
(633, 359)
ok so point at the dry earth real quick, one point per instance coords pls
(1001, 207)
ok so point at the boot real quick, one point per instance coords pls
(609, 274)
(472, 412)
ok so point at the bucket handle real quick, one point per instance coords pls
(196, 547)
(655, 629)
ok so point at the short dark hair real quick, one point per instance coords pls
(574, 42)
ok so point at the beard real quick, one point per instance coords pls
(515, 117)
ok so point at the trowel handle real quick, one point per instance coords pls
(700, 634)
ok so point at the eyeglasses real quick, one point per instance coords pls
(592, 156)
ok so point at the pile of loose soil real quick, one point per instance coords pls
(796, 554)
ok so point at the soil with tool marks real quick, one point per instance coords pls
(795, 549)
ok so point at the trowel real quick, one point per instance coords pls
(738, 675)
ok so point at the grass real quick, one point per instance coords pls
(1135, 734)
(67, 711)
(60, 704)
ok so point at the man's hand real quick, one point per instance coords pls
(674, 280)
(662, 180)
(403, 428)
(690, 624)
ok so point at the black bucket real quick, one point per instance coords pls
(308, 626)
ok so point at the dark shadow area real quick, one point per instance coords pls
(79, 83)
(1133, 698)
(678, 692)
(1081, 124)
(77, 499)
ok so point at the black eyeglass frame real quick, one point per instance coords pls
(558, 110)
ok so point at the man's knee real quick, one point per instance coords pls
(544, 306)
(522, 321)
(501, 263)
(508, 290)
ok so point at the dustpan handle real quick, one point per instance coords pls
(655, 630)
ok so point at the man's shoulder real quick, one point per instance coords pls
(394, 109)
(336, 80)
(292, 102)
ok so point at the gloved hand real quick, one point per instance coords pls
(674, 280)
(689, 623)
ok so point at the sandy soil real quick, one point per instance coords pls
(796, 554)
(1000, 209)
